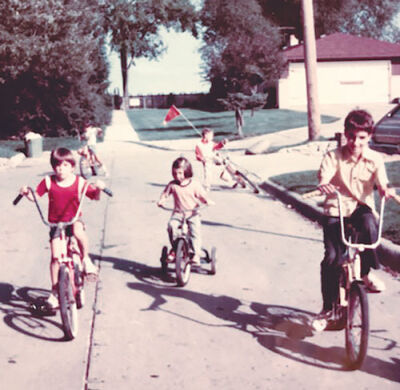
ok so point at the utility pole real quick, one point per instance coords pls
(310, 62)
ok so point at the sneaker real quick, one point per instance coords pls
(52, 301)
(320, 321)
(373, 283)
(89, 267)
(171, 255)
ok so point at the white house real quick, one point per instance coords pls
(350, 69)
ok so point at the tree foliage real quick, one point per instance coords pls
(241, 51)
(53, 69)
(134, 27)
(370, 18)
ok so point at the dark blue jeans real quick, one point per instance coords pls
(366, 224)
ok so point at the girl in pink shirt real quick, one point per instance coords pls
(64, 189)
(187, 194)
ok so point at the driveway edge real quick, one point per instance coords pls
(388, 252)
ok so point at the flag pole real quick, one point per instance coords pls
(190, 123)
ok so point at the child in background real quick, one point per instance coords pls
(90, 134)
(206, 153)
(187, 194)
(64, 189)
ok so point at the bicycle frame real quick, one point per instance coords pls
(68, 245)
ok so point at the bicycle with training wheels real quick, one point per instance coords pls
(71, 294)
(237, 174)
(183, 251)
(350, 311)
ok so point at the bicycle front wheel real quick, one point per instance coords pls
(182, 263)
(252, 185)
(85, 168)
(357, 327)
(68, 309)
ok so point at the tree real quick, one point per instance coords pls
(241, 51)
(53, 70)
(369, 18)
(134, 27)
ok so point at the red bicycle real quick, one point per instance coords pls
(71, 295)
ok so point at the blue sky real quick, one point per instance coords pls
(177, 70)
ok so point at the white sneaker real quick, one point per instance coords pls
(52, 301)
(373, 283)
(89, 267)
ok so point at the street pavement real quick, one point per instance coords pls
(247, 327)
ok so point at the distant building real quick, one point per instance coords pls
(350, 69)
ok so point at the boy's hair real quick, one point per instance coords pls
(205, 131)
(359, 120)
(184, 163)
(61, 154)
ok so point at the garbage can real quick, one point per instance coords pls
(33, 145)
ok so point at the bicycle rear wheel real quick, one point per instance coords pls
(79, 283)
(68, 309)
(213, 260)
(249, 182)
(85, 168)
(357, 327)
(183, 266)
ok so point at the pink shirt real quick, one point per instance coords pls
(186, 197)
(64, 201)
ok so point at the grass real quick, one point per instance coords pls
(148, 123)
(305, 181)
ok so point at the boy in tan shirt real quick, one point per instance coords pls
(354, 170)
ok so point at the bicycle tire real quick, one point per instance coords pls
(183, 266)
(68, 309)
(79, 283)
(249, 182)
(163, 260)
(357, 327)
(213, 260)
(85, 168)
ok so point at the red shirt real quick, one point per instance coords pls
(64, 201)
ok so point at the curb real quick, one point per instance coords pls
(388, 252)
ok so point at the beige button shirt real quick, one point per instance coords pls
(354, 178)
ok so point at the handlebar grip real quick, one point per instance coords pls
(108, 191)
(17, 199)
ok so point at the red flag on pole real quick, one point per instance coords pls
(172, 113)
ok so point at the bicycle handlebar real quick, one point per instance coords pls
(196, 209)
(359, 246)
(74, 219)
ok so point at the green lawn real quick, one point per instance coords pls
(148, 123)
(305, 181)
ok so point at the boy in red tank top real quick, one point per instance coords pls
(64, 189)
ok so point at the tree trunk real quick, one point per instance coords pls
(239, 121)
(124, 72)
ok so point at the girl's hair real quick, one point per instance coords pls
(359, 120)
(61, 154)
(184, 163)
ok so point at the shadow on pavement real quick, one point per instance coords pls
(221, 224)
(15, 305)
(280, 329)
